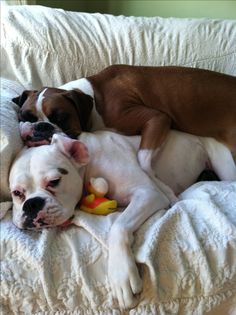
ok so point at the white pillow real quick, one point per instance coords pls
(11, 142)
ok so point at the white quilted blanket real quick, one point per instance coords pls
(186, 255)
(187, 258)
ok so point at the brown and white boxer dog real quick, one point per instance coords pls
(141, 100)
(46, 184)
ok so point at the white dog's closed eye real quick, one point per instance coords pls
(54, 179)
(19, 194)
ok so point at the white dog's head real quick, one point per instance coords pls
(46, 184)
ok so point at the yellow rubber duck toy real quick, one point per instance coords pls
(95, 202)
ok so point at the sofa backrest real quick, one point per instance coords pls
(48, 47)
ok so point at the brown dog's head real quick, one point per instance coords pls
(67, 110)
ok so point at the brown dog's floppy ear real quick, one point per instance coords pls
(19, 100)
(84, 106)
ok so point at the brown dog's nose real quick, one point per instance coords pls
(41, 133)
(44, 127)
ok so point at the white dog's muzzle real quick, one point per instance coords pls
(39, 212)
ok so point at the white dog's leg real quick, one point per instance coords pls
(122, 270)
(145, 160)
(221, 159)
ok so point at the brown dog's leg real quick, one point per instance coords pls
(155, 131)
(154, 134)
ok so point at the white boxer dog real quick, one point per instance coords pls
(46, 183)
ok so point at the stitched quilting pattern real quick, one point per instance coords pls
(186, 256)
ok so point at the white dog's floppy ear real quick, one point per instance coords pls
(74, 149)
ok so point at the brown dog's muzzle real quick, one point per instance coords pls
(39, 133)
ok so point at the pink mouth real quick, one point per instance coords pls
(66, 223)
(26, 130)
(30, 143)
(40, 220)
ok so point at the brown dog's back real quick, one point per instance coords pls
(196, 101)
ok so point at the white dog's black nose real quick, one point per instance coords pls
(33, 205)
(31, 208)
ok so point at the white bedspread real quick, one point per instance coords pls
(187, 258)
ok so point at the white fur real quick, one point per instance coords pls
(83, 84)
(39, 106)
(114, 157)
(145, 159)
(216, 150)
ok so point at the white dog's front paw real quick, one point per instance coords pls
(124, 278)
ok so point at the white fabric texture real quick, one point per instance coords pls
(187, 259)
(43, 46)
(186, 255)
(10, 140)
